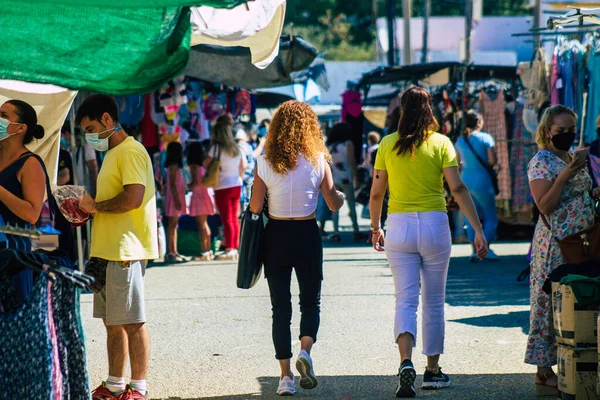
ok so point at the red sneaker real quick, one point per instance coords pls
(102, 393)
(131, 394)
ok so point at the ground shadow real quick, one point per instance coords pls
(514, 319)
(465, 387)
(487, 283)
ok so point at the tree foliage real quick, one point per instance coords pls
(345, 29)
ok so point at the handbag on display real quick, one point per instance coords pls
(491, 172)
(250, 258)
(211, 178)
(581, 246)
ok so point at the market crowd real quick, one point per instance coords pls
(304, 173)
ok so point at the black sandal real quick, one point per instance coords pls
(542, 389)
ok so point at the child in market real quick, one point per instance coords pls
(202, 203)
(175, 205)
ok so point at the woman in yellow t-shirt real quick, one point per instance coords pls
(413, 162)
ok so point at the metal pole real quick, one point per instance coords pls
(537, 11)
(391, 25)
(426, 13)
(406, 15)
(75, 181)
(467, 60)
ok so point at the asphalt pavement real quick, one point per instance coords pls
(211, 340)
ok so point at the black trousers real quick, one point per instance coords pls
(293, 245)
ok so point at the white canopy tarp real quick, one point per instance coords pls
(256, 25)
(52, 104)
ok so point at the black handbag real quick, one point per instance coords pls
(250, 259)
(490, 170)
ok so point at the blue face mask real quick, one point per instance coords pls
(262, 131)
(100, 144)
(64, 143)
(4, 123)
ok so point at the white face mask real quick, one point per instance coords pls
(100, 144)
(4, 123)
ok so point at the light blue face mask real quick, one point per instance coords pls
(4, 123)
(100, 144)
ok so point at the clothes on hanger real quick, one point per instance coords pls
(43, 330)
(495, 124)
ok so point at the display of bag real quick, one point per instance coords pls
(491, 172)
(250, 259)
(211, 178)
(579, 247)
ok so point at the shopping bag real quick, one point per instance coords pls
(250, 259)
(211, 178)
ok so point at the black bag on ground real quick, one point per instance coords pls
(250, 259)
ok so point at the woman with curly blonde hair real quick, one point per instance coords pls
(294, 169)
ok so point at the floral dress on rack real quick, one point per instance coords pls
(574, 213)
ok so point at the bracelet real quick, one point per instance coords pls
(375, 228)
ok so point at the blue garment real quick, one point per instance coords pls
(131, 109)
(485, 204)
(479, 183)
(25, 346)
(593, 101)
(580, 56)
(472, 172)
(567, 70)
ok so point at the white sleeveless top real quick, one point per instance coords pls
(295, 194)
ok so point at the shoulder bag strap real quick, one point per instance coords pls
(483, 164)
(51, 200)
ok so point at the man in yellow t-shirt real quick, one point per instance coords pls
(124, 233)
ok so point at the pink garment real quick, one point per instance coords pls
(57, 377)
(554, 77)
(351, 104)
(203, 202)
(170, 210)
(495, 124)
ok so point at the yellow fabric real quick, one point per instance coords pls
(132, 235)
(416, 183)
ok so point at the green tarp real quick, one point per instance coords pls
(141, 3)
(111, 47)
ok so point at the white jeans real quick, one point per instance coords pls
(418, 247)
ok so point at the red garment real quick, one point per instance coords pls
(228, 204)
(351, 104)
(148, 127)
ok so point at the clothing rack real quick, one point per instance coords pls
(575, 15)
(17, 260)
(556, 33)
(23, 232)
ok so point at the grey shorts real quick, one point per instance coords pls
(121, 301)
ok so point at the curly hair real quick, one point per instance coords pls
(294, 131)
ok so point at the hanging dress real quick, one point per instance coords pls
(495, 124)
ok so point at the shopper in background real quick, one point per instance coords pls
(174, 199)
(292, 172)
(477, 178)
(413, 162)
(243, 140)
(229, 189)
(202, 202)
(344, 174)
(562, 190)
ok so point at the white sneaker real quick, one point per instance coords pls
(491, 256)
(286, 387)
(304, 365)
(231, 255)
